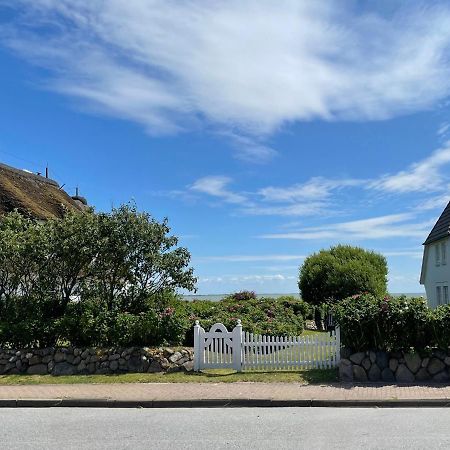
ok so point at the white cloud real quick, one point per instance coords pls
(249, 66)
(389, 226)
(315, 189)
(249, 258)
(245, 278)
(439, 202)
(421, 176)
(216, 186)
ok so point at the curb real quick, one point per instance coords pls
(222, 403)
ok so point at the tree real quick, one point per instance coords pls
(342, 271)
(122, 262)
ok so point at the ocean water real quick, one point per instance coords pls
(217, 297)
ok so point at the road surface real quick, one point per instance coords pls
(229, 428)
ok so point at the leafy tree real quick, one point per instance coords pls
(342, 271)
(121, 266)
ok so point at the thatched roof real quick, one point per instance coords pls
(33, 195)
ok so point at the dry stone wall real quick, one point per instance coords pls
(396, 367)
(77, 361)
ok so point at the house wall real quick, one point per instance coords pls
(436, 274)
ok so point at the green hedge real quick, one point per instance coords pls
(391, 323)
(163, 319)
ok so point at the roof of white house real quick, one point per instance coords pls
(442, 227)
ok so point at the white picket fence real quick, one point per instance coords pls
(239, 350)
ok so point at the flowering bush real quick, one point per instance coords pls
(270, 316)
(386, 323)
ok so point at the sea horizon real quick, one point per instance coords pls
(217, 297)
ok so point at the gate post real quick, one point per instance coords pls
(197, 351)
(338, 343)
(237, 346)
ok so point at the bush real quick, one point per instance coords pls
(91, 279)
(386, 323)
(274, 317)
(243, 295)
(340, 272)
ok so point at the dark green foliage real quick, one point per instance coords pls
(243, 295)
(90, 278)
(390, 323)
(341, 271)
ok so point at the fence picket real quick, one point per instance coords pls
(241, 350)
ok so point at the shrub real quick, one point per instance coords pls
(243, 295)
(384, 323)
(91, 279)
(342, 271)
(269, 316)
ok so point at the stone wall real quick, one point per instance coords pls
(72, 361)
(395, 366)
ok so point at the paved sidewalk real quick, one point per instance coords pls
(224, 394)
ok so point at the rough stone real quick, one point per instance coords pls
(50, 366)
(154, 367)
(425, 362)
(345, 370)
(46, 359)
(175, 357)
(441, 377)
(357, 358)
(37, 369)
(382, 360)
(164, 363)
(114, 365)
(447, 360)
(168, 352)
(70, 358)
(413, 361)
(439, 354)
(85, 354)
(403, 374)
(393, 364)
(76, 352)
(91, 368)
(359, 374)
(19, 364)
(59, 357)
(82, 367)
(76, 361)
(374, 373)
(135, 364)
(366, 363)
(435, 365)
(422, 374)
(372, 356)
(345, 352)
(188, 366)
(182, 360)
(63, 368)
(387, 375)
(114, 357)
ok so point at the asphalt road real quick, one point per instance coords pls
(247, 428)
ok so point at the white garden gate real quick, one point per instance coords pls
(239, 350)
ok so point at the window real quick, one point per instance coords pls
(445, 294)
(438, 296)
(444, 252)
(437, 254)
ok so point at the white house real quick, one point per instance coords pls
(435, 274)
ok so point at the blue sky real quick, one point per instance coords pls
(263, 130)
